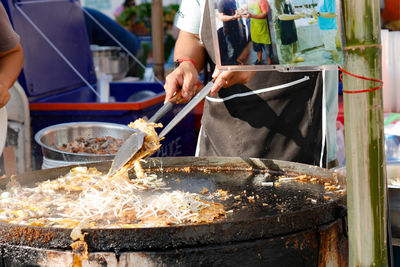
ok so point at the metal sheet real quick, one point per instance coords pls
(287, 209)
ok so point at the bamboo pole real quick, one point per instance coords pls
(365, 153)
(157, 33)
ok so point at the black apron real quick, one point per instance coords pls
(247, 121)
(287, 27)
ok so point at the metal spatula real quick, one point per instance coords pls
(133, 144)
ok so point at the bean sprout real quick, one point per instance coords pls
(86, 195)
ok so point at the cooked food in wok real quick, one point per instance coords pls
(86, 195)
(151, 143)
(93, 145)
(87, 198)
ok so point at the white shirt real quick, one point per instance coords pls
(190, 16)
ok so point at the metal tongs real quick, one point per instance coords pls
(135, 142)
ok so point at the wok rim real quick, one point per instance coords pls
(176, 236)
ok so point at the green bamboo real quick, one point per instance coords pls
(364, 137)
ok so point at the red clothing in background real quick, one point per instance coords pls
(391, 11)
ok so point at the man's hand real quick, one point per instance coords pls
(225, 79)
(184, 79)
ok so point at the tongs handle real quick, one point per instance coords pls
(168, 106)
(161, 112)
(189, 106)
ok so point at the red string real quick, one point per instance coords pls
(188, 59)
(363, 78)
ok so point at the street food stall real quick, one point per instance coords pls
(275, 212)
(206, 211)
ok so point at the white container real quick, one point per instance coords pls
(391, 70)
(103, 87)
(3, 128)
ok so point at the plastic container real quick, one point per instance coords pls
(392, 147)
(103, 86)
(392, 136)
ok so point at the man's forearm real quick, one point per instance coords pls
(225, 18)
(10, 65)
(287, 17)
(327, 15)
(258, 16)
(188, 46)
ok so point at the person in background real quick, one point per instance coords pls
(258, 13)
(327, 22)
(235, 37)
(285, 28)
(266, 114)
(11, 57)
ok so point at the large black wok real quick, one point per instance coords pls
(276, 210)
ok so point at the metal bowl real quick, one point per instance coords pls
(59, 134)
(111, 60)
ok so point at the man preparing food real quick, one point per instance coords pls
(272, 114)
